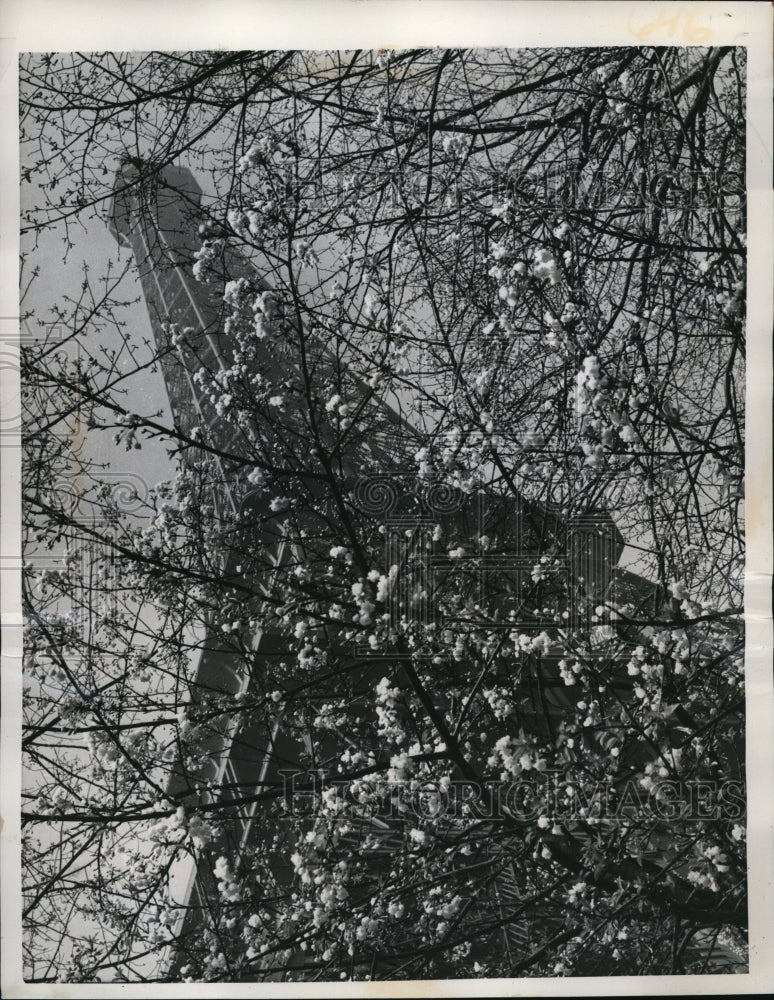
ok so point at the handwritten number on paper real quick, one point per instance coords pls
(681, 24)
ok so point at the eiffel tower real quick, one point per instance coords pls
(162, 221)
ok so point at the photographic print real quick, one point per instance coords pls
(383, 462)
